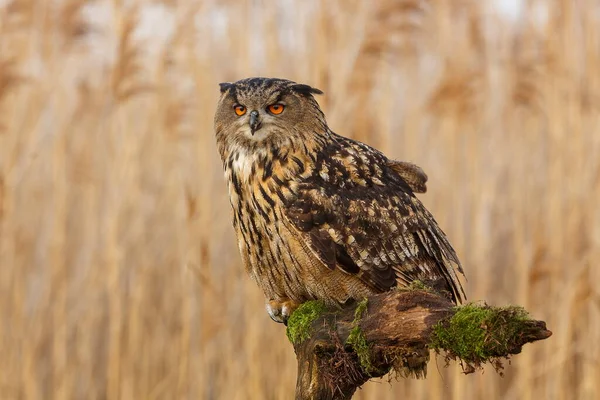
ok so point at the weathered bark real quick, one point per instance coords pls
(397, 327)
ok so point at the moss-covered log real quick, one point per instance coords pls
(339, 350)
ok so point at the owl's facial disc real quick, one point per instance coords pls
(254, 122)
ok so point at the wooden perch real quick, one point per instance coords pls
(340, 350)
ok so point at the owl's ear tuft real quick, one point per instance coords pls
(305, 89)
(225, 86)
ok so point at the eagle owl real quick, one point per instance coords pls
(318, 215)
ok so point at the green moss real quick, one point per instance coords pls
(418, 285)
(478, 334)
(299, 323)
(361, 309)
(357, 340)
(414, 285)
(361, 347)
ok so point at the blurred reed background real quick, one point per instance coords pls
(119, 274)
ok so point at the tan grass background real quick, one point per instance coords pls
(119, 274)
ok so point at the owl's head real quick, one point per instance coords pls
(266, 113)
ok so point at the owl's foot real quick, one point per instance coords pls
(280, 310)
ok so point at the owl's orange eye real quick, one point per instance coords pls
(276, 108)
(240, 110)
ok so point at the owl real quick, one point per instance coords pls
(319, 216)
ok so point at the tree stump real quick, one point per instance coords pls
(339, 350)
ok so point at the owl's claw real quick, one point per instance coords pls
(280, 310)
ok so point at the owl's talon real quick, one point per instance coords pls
(280, 310)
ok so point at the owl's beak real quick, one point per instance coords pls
(254, 122)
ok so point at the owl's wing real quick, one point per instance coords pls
(358, 214)
(412, 174)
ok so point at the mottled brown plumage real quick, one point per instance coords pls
(318, 215)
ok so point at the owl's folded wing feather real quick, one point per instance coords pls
(379, 232)
(412, 174)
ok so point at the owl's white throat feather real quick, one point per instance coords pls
(243, 161)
